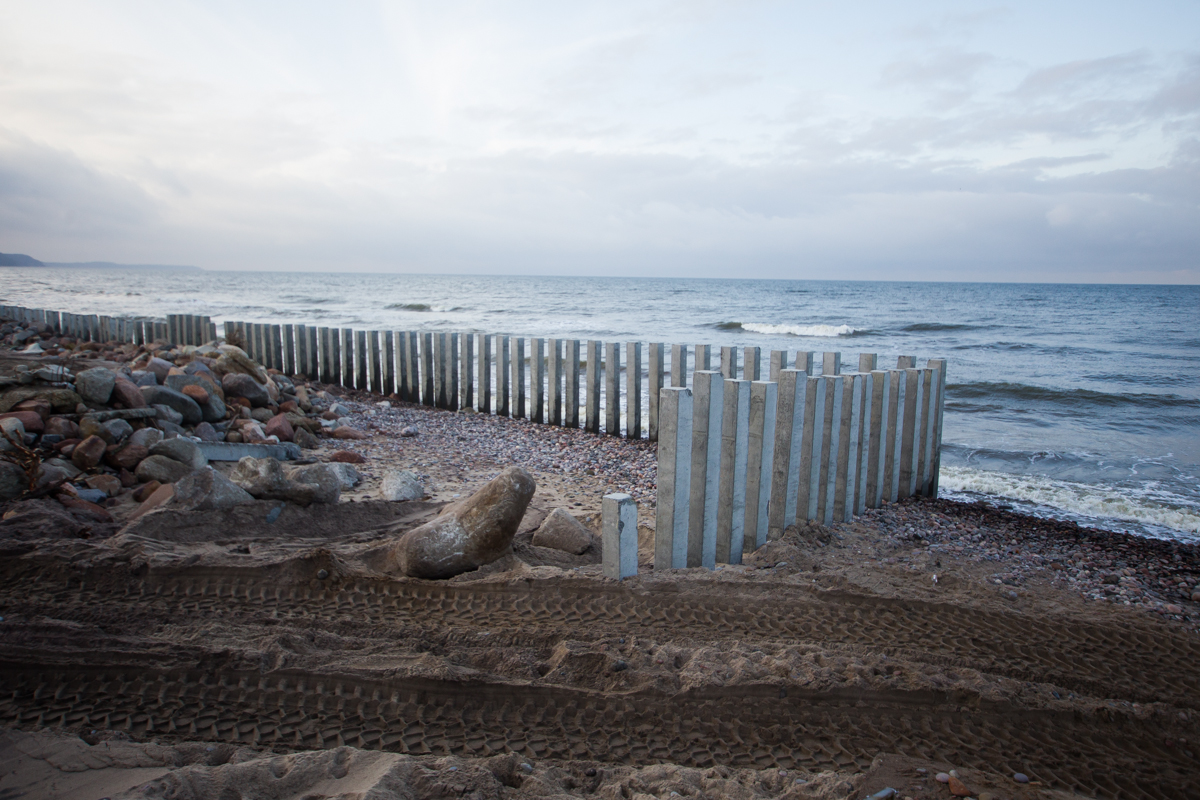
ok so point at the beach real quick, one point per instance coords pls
(260, 650)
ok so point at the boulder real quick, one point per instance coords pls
(306, 440)
(95, 385)
(70, 470)
(401, 485)
(470, 534)
(31, 421)
(127, 393)
(167, 414)
(562, 531)
(328, 484)
(128, 457)
(264, 479)
(38, 405)
(40, 518)
(208, 490)
(62, 401)
(234, 360)
(146, 437)
(178, 401)
(12, 429)
(141, 378)
(117, 429)
(109, 484)
(13, 481)
(185, 451)
(160, 368)
(237, 384)
(87, 454)
(346, 432)
(61, 426)
(347, 457)
(279, 426)
(347, 474)
(169, 429)
(91, 426)
(197, 393)
(161, 469)
(205, 432)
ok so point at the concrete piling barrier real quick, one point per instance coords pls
(777, 363)
(633, 390)
(619, 536)
(703, 358)
(936, 467)
(389, 362)
(674, 477)
(503, 376)
(909, 444)
(612, 389)
(868, 362)
(927, 413)
(362, 360)
(412, 367)
(729, 367)
(831, 363)
(906, 362)
(466, 370)
(518, 377)
(752, 363)
(763, 405)
(592, 387)
(537, 381)
(428, 398)
(679, 364)
(654, 385)
(302, 366)
(483, 363)
(571, 396)
(735, 454)
(850, 415)
(789, 437)
(809, 447)
(554, 381)
(895, 425)
(346, 366)
(374, 367)
(832, 447)
(708, 401)
(876, 422)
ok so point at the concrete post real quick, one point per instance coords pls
(412, 367)
(703, 358)
(518, 378)
(619, 536)
(375, 375)
(778, 363)
(537, 381)
(892, 442)
(829, 388)
(612, 389)
(289, 347)
(674, 477)
(810, 448)
(764, 398)
(452, 368)
(321, 369)
(302, 366)
(653, 388)
(829, 471)
(503, 370)
(877, 414)
(936, 467)
(906, 362)
(310, 350)
(389, 362)
(909, 446)
(729, 367)
(571, 397)
(708, 401)
(363, 357)
(849, 414)
(345, 366)
(440, 384)
(427, 367)
(831, 363)
(789, 434)
(752, 363)
(275, 335)
(484, 363)
(591, 382)
(868, 362)
(466, 370)
(633, 390)
(171, 327)
(554, 381)
(925, 433)
(679, 364)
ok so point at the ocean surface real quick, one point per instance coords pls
(1077, 402)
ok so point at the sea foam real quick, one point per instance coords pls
(819, 331)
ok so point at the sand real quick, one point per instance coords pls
(200, 655)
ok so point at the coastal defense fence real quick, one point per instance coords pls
(740, 460)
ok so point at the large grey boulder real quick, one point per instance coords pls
(178, 401)
(146, 437)
(329, 486)
(238, 384)
(562, 531)
(208, 490)
(95, 385)
(264, 478)
(185, 451)
(401, 485)
(161, 469)
(469, 534)
(118, 429)
(13, 481)
(348, 475)
(213, 409)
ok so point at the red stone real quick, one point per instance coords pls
(127, 393)
(346, 432)
(195, 392)
(128, 479)
(278, 425)
(127, 457)
(347, 457)
(35, 404)
(290, 405)
(958, 788)
(142, 492)
(87, 454)
(61, 426)
(84, 507)
(30, 419)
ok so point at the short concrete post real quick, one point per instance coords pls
(729, 367)
(484, 363)
(389, 362)
(452, 368)
(612, 389)
(938, 364)
(412, 367)
(877, 414)
(518, 378)
(440, 384)
(703, 358)
(345, 367)
(708, 401)
(785, 468)
(653, 388)
(909, 444)
(679, 364)
(571, 397)
(619, 536)
(831, 363)
(778, 363)
(302, 351)
(810, 448)
(310, 344)
(375, 375)
(764, 398)
(804, 362)
(591, 382)
(633, 390)
(289, 347)
(849, 414)
(735, 453)
(674, 477)
(321, 369)
(906, 362)
(752, 363)
(466, 370)
(537, 381)
(868, 362)
(427, 366)
(363, 357)
(554, 381)
(503, 374)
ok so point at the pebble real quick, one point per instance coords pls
(942, 777)
(1020, 777)
(322, 574)
(527, 767)
(274, 513)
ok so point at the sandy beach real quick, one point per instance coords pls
(260, 651)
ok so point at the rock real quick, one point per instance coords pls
(205, 432)
(170, 429)
(409, 431)
(108, 484)
(185, 451)
(329, 485)
(90, 426)
(306, 440)
(95, 385)
(279, 426)
(146, 437)
(234, 360)
(37, 405)
(40, 518)
(161, 469)
(252, 433)
(197, 393)
(227, 451)
(13, 481)
(469, 534)
(62, 401)
(347, 457)
(89, 494)
(144, 378)
(61, 426)
(31, 421)
(347, 474)
(237, 384)
(346, 432)
(942, 777)
(142, 492)
(958, 788)
(263, 415)
(167, 413)
(159, 368)
(160, 496)
(208, 490)
(62, 467)
(400, 486)
(117, 429)
(127, 393)
(1020, 777)
(177, 401)
(87, 509)
(562, 531)
(12, 428)
(87, 454)
(264, 478)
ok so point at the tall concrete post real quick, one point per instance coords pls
(389, 363)
(810, 448)
(484, 363)
(778, 364)
(653, 388)
(674, 477)
(925, 433)
(554, 381)
(789, 434)
(764, 398)
(804, 362)
(679, 364)
(729, 367)
(897, 385)
(868, 362)
(325, 355)
(452, 368)
(829, 470)
(302, 351)
(362, 359)
(591, 382)
(427, 367)
(612, 389)
(708, 402)
(752, 363)
(735, 454)
(311, 345)
(847, 455)
(877, 416)
(277, 347)
(619, 536)
(938, 364)
(503, 374)
(518, 377)
(703, 358)
(827, 454)
(466, 370)
(289, 348)
(440, 384)
(633, 390)
(412, 367)
(571, 373)
(375, 375)
(346, 368)
(909, 445)
(537, 381)
(831, 363)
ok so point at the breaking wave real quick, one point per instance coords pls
(815, 331)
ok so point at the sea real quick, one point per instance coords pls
(1076, 402)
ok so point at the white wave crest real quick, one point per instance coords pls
(822, 331)
(1076, 498)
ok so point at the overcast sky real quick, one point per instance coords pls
(879, 140)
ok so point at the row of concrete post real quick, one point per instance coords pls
(740, 460)
(101, 328)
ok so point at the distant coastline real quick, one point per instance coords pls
(22, 260)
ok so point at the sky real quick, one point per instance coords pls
(874, 140)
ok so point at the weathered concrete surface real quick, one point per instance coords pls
(619, 536)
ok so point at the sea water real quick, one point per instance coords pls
(1077, 401)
